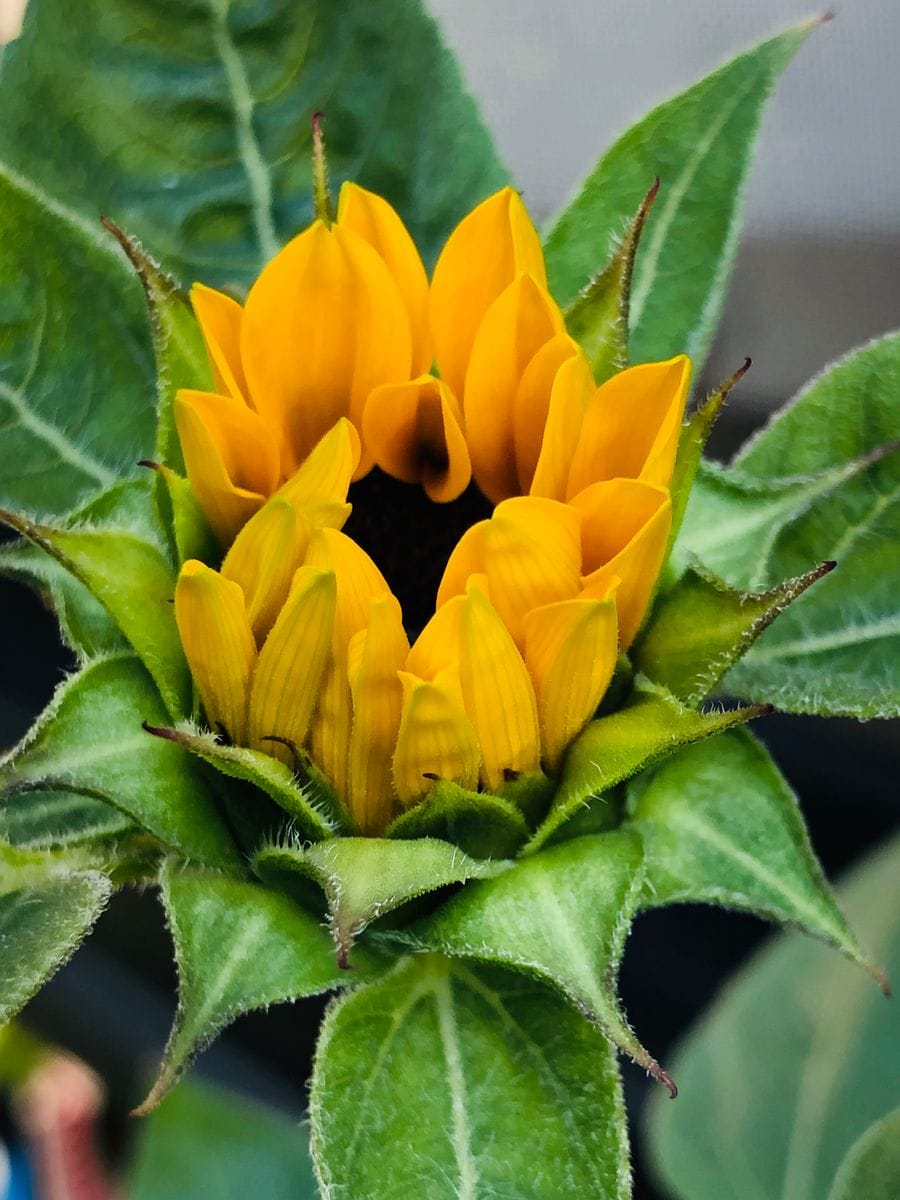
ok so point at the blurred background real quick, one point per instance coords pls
(817, 274)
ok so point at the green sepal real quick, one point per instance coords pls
(721, 826)
(191, 534)
(90, 739)
(562, 916)
(700, 628)
(480, 823)
(366, 878)
(57, 817)
(446, 1080)
(598, 318)
(649, 728)
(238, 947)
(312, 813)
(871, 1169)
(134, 581)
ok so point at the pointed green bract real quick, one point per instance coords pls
(699, 144)
(90, 739)
(192, 536)
(561, 916)
(40, 929)
(649, 728)
(238, 947)
(481, 824)
(365, 878)
(449, 1081)
(871, 1170)
(702, 627)
(796, 1058)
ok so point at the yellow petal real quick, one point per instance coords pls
(530, 553)
(570, 651)
(632, 425)
(220, 319)
(326, 472)
(412, 430)
(231, 459)
(359, 582)
(323, 325)
(375, 656)
(572, 390)
(514, 329)
(487, 250)
(219, 646)
(532, 404)
(263, 559)
(625, 531)
(292, 662)
(380, 225)
(436, 740)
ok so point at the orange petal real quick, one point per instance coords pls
(326, 472)
(532, 404)
(436, 739)
(220, 319)
(571, 393)
(412, 431)
(487, 250)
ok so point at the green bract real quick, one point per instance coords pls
(470, 1050)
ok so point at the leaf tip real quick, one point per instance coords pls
(163, 731)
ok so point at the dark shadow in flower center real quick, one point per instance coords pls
(409, 537)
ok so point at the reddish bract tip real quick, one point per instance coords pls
(149, 463)
(316, 121)
(162, 731)
(827, 16)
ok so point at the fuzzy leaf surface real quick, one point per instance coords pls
(796, 1058)
(699, 144)
(57, 818)
(480, 823)
(445, 1081)
(871, 1170)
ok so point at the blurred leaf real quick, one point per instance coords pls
(206, 1141)
(90, 738)
(793, 1062)
(39, 819)
(562, 916)
(189, 123)
(446, 1081)
(238, 947)
(481, 824)
(40, 929)
(871, 1170)
(699, 144)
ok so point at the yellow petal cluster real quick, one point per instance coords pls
(344, 356)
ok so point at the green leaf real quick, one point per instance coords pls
(598, 318)
(76, 377)
(481, 824)
(699, 144)
(562, 916)
(40, 929)
(238, 947)
(41, 819)
(364, 878)
(793, 1062)
(871, 1170)
(612, 749)
(189, 124)
(90, 739)
(136, 584)
(702, 627)
(721, 825)
(443, 1081)
(206, 1141)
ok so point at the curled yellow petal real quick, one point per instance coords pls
(374, 220)
(532, 404)
(263, 559)
(291, 664)
(487, 250)
(323, 325)
(375, 656)
(573, 387)
(436, 739)
(231, 459)
(412, 431)
(325, 473)
(570, 651)
(625, 531)
(219, 317)
(218, 643)
(631, 426)
(514, 329)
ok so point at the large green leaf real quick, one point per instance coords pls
(794, 1061)
(871, 1170)
(40, 928)
(90, 739)
(722, 825)
(40, 819)
(238, 947)
(445, 1082)
(700, 145)
(189, 123)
